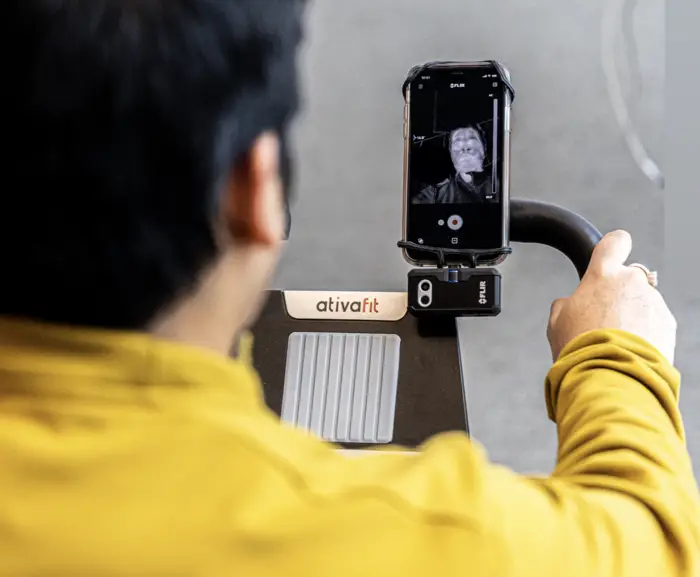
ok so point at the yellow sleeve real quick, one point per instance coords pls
(622, 501)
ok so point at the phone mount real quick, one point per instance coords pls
(366, 368)
(436, 295)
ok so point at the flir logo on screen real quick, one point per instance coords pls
(453, 85)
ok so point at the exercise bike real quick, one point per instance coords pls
(366, 369)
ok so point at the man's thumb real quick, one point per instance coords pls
(612, 252)
(557, 306)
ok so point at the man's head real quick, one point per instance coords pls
(144, 156)
(467, 149)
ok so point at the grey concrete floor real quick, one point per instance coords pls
(567, 149)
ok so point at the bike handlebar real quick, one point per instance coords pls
(537, 222)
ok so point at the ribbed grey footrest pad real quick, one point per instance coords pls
(342, 386)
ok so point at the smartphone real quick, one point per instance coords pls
(457, 162)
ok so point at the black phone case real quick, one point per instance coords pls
(466, 257)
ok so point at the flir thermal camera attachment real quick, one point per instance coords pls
(454, 292)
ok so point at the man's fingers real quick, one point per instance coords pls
(611, 253)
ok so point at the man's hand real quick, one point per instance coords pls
(613, 296)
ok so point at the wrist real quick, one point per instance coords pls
(612, 350)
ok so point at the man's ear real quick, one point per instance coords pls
(253, 198)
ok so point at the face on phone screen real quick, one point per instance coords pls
(455, 159)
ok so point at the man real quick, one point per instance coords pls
(470, 183)
(143, 225)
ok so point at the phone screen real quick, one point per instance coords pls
(456, 151)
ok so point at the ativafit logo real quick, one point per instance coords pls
(364, 306)
(346, 306)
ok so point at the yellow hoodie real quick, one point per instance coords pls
(125, 456)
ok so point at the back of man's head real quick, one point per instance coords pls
(125, 118)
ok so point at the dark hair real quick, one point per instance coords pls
(125, 117)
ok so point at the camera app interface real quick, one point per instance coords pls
(455, 158)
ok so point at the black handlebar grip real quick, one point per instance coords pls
(537, 222)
